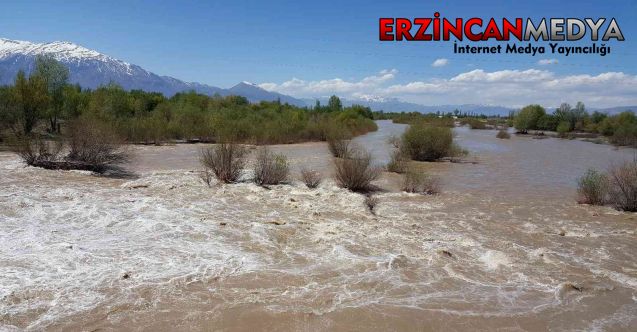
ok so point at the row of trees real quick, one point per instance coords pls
(45, 103)
(621, 128)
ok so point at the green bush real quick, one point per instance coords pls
(592, 188)
(563, 129)
(427, 143)
(529, 117)
(476, 123)
(503, 134)
(625, 134)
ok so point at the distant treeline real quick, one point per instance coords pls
(566, 120)
(407, 117)
(621, 129)
(45, 103)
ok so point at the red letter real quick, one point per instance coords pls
(492, 31)
(436, 26)
(467, 29)
(420, 34)
(385, 29)
(455, 30)
(403, 26)
(516, 30)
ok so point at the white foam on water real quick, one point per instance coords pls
(493, 259)
(67, 239)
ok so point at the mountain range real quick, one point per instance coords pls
(92, 69)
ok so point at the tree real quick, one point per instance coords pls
(528, 117)
(31, 100)
(55, 75)
(548, 122)
(8, 115)
(572, 116)
(362, 111)
(598, 117)
(335, 104)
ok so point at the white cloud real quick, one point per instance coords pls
(440, 63)
(545, 62)
(298, 87)
(504, 87)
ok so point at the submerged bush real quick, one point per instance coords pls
(370, 203)
(312, 179)
(225, 160)
(339, 148)
(35, 151)
(95, 144)
(397, 162)
(206, 177)
(270, 168)
(476, 123)
(338, 142)
(623, 186)
(420, 182)
(592, 188)
(503, 134)
(427, 143)
(356, 172)
(92, 146)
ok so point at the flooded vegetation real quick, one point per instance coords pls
(502, 245)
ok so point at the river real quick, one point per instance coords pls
(504, 246)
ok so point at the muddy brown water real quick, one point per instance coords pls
(504, 247)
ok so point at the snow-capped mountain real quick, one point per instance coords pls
(254, 93)
(92, 69)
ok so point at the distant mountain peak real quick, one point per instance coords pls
(60, 50)
(248, 83)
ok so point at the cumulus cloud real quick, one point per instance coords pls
(440, 63)
(298, 87)
(511, 88)
(545, 62)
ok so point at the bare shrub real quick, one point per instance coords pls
(503, 134)
(370, 203)
(226, 161)
(96, 145)
(394, 141)
(270, 168)
(397, 162)
(339, 148)
(35, 151)
(312, 179)
(623, 186)
(420, 182)
(206, 177)
(338, 142)
(592, 188)
(356, 172)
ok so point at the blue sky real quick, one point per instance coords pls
(321, 47)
